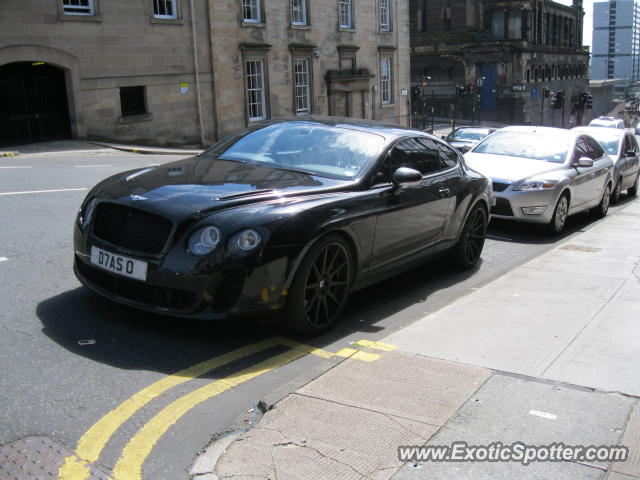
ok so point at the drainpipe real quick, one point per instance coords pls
(214, 98)
(197, 73)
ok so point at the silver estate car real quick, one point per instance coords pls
(543, 174)
(622, 147)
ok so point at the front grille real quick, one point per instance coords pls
(136, 290)
(228, 290)
(502, 207)
(131, 228)
(500, 186)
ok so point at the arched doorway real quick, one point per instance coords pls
(33, 103)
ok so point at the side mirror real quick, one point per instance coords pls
(585, 162)
(406, 177)
(630, 153)
(443, 137)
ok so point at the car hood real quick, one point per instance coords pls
(511, 169)
(204, 184)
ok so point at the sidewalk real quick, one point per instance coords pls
(89, 146)
(548, 353)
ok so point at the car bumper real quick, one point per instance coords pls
(514, 205)
(179, 284)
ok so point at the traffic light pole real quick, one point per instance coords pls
(562, 108)
(432, 109)
(542, 109)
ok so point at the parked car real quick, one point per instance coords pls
(286, 216)
(607, 122)
(622, 147)
(543, 174)
(464, 138)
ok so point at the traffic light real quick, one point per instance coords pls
(588, 104)
(557, 99)
(545, 92)
(461, 91)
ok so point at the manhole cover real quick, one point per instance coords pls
(580, 248)
(36, 458)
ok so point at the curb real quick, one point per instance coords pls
(149, 150)
(8, 154)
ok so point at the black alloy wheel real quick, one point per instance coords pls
(320, 288)
(467, 251)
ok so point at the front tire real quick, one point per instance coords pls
(633, 191)
(560, 214)
(320, 288)
(467, 251)
(603, 207)
(615, 195)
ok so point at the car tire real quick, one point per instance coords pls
(320, 288)
(560, 214)
(467, 251)
(603, 207)
(633, 191)
(615, 195)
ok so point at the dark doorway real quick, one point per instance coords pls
(33, 104)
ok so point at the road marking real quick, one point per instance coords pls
(385, 347)
(15, 166)
(45, 191)
(129, 465)
(548, 416)
(93, 441)
(3, 259)
(91, 166)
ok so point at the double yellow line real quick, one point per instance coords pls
(129, 465)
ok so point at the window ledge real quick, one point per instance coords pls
(300, 27)
(142, 117)
(344, 29)
(79, 18)
(167, 21)
(254, 24)
(385, 32)
(387, 105)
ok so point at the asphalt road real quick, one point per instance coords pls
(69, 357)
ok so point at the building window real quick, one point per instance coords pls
(133, 101)
(251, 11)
(302, 81)
(77, 7)
(164, 9)
(299, 12)
(514, 25)
(385, 15)
(497, 25)
(256, 106)
(346, 14)
(385, 80)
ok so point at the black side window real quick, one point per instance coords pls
(448, 156)
(587, 147)
(595, 150)
(634, 143)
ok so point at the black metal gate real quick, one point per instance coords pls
(33, 104)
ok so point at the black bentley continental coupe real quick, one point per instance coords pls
(287, 216)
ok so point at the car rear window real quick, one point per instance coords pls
(534, 146)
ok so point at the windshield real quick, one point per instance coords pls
(604, 123)
(538, 146)
(469, 134)
(334, 152)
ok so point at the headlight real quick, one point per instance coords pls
(204, 240)
(535, 185)
(247, 240)
(87, 213)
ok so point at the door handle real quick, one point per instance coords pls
(444, 191)
(592, 174)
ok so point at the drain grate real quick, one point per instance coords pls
(37, 458)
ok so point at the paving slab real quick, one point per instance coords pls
(401, 384)
(501, 412)
(305, 437)
(631, 439)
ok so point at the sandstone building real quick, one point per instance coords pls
(507, 52)
(175, 72)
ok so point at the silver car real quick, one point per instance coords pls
(543, 174)
(622, 147)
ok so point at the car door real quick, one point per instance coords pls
(628, 156)
(598, 175)
(413, 217)
(583, 178)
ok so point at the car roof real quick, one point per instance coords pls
(600, 130)
(390, 132)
